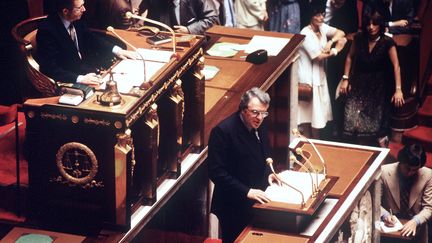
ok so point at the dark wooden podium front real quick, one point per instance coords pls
(102, 162)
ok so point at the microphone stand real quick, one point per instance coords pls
(297, 133)
(300, 152)
(173, 39)
(111, 29)
(269, 161)
(314, 188)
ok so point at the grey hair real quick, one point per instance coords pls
(262, 96)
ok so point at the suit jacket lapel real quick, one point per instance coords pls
(250, 143)
(394, 185)
(416, 190)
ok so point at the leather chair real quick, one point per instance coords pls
(405, 117)
(9, 115)
(25, 35)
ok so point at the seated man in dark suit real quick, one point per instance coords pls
(66, 49)
(237, 152)
(184, 16)
(398, 14)
(407, 192)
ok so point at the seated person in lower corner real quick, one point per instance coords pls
(407, 192)
(67, 50)
(184, 16)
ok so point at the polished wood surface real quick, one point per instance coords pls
(224, 92)
(258, 235)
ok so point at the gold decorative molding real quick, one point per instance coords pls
(97, 122)
(77, 164)
(46, 115)
(152, 99)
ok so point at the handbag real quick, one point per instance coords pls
(304, 92)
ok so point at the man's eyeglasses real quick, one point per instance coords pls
(80, 8)
(256, 113)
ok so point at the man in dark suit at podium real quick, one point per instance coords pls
(65, 46)
(238, 148)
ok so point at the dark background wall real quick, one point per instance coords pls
(11, 75)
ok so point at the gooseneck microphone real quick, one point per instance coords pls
(111, 29)
(297, 133)
(144, 18)
(269, 161)
(293, 159)
(306, 159)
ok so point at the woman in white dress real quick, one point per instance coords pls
(321, 42)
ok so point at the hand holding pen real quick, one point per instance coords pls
(390, 220)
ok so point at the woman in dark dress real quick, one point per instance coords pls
(373, 63)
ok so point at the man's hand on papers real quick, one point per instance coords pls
(124, 54)
(258, 195)
(409, 229)
(91, 79)
(181, 29)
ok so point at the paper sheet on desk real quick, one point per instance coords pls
(397, 226)
(130, 73)
(299, 180)
(273, 45)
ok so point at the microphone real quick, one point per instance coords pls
(300, 152)
(144, 18)
(269, 161)
(297, 133)
(111, 29)
(293, 159)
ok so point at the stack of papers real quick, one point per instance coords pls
(300, 180)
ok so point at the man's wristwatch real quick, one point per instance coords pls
(345, 77)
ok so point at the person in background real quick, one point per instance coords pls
(104, 13)
(67, 51)
(371, 82)
(229, 14)
(251, 14)
(237, 151)
(184, 16)
(407, 192)
(321, 42)
(398, 14)
(343, 15)
(284, 16)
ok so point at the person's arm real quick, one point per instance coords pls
(219, 164)
(338, 40)
(345, 87)
(257, 8)
(397, 98)
(208, 17)
(425, 213)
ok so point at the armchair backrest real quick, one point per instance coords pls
(25, 35)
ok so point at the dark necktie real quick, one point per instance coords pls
(405, 189)
(254, 133)
(73, 35)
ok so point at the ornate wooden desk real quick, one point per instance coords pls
(102, 162)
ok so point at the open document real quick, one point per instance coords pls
(273, 45)
(130, 73)
(297, 179)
